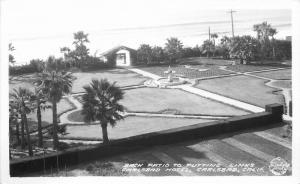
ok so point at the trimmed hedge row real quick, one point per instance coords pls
(75, 156)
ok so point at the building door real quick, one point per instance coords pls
(121, 58)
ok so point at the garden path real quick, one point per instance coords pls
(207, 94)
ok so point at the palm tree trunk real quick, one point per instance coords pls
(104, 133)
(17, 133)
(28, 135)
(54, 117)
(22, 134)
(39, 118)
(273, 47)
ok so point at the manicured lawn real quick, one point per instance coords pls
(249, 68)
(130, 126)
(155, 100)
(190, 73)
(204, 60)
(62, 106)
(24, 81)
(123, 78)
(280, 74)
(283, 84)
(244, 88)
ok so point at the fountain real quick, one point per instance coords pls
(170, 80)
(170, 74)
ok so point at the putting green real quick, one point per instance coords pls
(156, 99)
(248, 89)
(130, 126)
(123, 78)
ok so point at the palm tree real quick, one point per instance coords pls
(54, 85)
(100, 103)
(173, 49)
(13, 120)
(272, 33)
(40, 104)
(21, 99)
(214, 36)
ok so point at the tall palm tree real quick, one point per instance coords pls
(54, 85)
(21, 98)
(100, 103)
(13, 120)
(39, 104)
(214, 36)
(272, 33)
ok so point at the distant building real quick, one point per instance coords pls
(121, 56)
(288, 38)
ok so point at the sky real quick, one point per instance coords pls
(39, 28)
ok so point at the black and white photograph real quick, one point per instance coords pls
(148, 89)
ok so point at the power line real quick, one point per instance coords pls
(232, 28)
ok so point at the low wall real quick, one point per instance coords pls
(272, 115)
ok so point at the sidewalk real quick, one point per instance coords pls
(144, 73)
(220, 98)
(206, 94)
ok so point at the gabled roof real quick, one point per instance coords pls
(116, 49)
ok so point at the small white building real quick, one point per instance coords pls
(120, 55)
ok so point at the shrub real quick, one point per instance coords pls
(24, 69)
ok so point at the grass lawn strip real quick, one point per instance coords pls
(131, 126)
(276, 75)
(155, 100)
(244, 88)
(250, 68)
(63, 106)
(123, 78)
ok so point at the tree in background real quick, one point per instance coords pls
(273, 32)
(144, 54)
(81, 52)
(55, 64)
(207, 47)
(173, 49)
(214, 36)
(158, 54)
(68, 56)
(101, 103)
(11, 58)
(224, 47)
(191, 51)
(79, 55)
(244, 48)
(37, 64)
(55, 84)
(264, 31)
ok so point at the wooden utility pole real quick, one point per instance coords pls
(232, 28)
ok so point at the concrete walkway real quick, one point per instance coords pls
(175, 116)
(224, 99)
(220, 98)
(64, 117)
(146, 74)
(206, 94)
(186, 87)
(285, 92)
